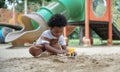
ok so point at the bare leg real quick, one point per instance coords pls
(36, 50)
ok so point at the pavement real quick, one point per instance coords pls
(7, 52)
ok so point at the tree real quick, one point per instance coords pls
(2, 4)
(32, 4)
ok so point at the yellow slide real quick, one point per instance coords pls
(28, 33)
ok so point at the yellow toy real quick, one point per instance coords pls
(71, 52)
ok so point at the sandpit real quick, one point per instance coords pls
(85, 61)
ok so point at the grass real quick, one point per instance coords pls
(96, 41)
(73, 42)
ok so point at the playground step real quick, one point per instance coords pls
(102, 31)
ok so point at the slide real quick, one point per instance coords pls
(36, 23)
(28, 33)
(5, 29)
(11, 26)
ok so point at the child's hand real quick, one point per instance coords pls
(62, 52)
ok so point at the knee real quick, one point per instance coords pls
(34, 51)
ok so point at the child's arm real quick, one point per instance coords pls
(64, 48)
(52, 49)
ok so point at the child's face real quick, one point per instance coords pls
(57, 31)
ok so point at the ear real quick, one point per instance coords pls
(50, 28)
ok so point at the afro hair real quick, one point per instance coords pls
(57, 20)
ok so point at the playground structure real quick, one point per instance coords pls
(78, 12)
(6, 20)
(6, 23)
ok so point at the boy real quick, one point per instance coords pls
(51, 40)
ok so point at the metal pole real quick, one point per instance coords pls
(86, 19)
(14, 12)
(110, 25)
(86, 39)
(25, 7)
(65, 34)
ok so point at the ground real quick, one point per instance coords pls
(91, 59)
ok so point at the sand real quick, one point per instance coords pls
(82, 63)
(85, 61)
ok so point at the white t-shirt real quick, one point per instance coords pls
(48, 34)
